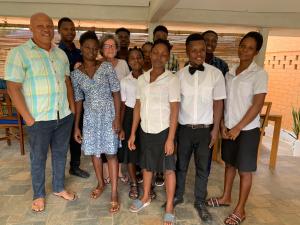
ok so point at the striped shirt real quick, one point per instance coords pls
(42, 75)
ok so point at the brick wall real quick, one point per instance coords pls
(284, 84)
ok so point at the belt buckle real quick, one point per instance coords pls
(194, 126)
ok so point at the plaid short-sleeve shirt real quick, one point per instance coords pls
(42, 75)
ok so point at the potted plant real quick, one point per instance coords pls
(296, 130)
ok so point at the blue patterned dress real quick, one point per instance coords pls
(96, 93)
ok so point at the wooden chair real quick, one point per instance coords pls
(11, 121)
(264, 117)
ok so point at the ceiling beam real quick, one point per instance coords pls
(159, 8)
(268, 20)
(75, 11)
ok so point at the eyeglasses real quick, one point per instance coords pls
(107, 46)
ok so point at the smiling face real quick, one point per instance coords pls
(89, 50)
(159, 56)
(67, 31)
(146, 51)
(211, 41)
(109, 49)
(42, 29)
(135, 60)
(247, 49)
(196, 51)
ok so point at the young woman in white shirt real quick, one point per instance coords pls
(157, 106)
(128, 97)
(246, 87)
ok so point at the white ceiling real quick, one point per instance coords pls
(227, 15)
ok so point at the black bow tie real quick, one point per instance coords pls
(193, 69)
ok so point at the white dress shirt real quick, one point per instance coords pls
(155, 98)
(128, 90)
(198, 91)
(122, 69)
(240, 91)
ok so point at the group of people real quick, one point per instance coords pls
(134, 106)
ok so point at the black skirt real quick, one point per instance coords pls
(152, 153)
(124, 154)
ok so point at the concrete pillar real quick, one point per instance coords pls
(260, 58)
(151, 27)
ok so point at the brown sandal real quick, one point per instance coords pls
(134, 192)
(97, 192)
(38, 205)
(66, 195)
(115, 207)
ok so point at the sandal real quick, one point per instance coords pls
(214, 202)
(134, 192)
(38, 205)
(138, 205)
(152, 193)
(169, 218)
(66, 195)
(115, 207)
(97, 192)
(107, 180)
(124, 179)
(233, 219)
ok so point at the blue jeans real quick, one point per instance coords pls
(55, 133)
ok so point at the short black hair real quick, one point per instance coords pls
(147, 43)
(193, 37)
(256, 36)
(88, 35)
(209, 31)
(164, 42)
(135, 49)
(122, 29)
(64, 19)
(160, 28)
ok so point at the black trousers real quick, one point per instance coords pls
(75, 148)
(193, 141)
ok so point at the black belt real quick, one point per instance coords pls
(198, 126)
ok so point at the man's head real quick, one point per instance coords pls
(160, 32)
(66, 29)
(41, 26)
(123, 35)
(195, 49)
(211, 40)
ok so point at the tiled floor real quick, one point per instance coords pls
(274, 199)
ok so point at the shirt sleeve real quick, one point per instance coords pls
(123, 90)
(114, 83)
(78, 93)
(261, 83)
(174, 89)
(219, 90)
(14, 67)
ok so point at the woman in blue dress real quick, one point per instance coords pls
(97, 89)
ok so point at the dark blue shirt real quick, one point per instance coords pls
(74, 54)
(220, 64)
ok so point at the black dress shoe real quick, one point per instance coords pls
(176, 201)
(79, 172)
(203, 212)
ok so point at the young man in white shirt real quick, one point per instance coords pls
(202, 89)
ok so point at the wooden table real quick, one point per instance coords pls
(274, 147)
(275, 139)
